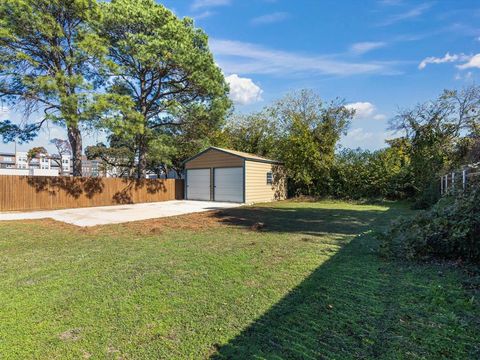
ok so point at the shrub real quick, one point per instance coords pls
(428, 197)
(363, 174)
(449, 230)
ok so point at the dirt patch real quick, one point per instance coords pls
(195, 221)
(245, 218)
(202, 221)
(112, 350)
(70, 335)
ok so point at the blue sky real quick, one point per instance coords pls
(378, 55)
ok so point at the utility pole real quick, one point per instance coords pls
(15, 156)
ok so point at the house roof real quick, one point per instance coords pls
(241, 154)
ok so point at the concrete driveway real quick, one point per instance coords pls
(103, 215)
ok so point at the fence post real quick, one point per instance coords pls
(453, 181)
(446, 183)
(441, 185)
(464, 179)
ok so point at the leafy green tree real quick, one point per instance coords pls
(160, 154)
(164, 66)
(473, 154)
(48, 60)
(199, 129)
(371, 174)
(301, 130)
(438, 133)
(254, 133)
(309, 131)
(36, 152)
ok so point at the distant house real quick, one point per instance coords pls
(171, 174)
(7, 161)
(46, 165)
(19, 164)
(91, 168)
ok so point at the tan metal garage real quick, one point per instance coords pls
(227, 175)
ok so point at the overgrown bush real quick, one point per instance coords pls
(428, 197)
(450, 230)
(363, 174)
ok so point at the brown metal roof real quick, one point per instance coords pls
(244, 155)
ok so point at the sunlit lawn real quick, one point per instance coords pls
(308, 285)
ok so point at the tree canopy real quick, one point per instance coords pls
(131, 68)
(440, 133)
(48, 60)
(302, 131)
(163, 66)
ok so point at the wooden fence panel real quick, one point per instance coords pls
(43, 192)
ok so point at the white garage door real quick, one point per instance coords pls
(229, 184)
(198, 184)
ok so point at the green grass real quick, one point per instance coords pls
(309, 285)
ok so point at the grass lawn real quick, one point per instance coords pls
(309, 285)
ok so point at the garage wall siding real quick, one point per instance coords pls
(257, 189)
(214, 158)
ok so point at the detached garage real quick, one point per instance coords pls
(218, 174)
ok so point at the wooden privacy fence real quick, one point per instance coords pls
(44, 192)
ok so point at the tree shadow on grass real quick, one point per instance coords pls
(309, 221)
(354, 305)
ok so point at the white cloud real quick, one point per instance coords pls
(359, 134)
(269, 18)
(473, 62)
(379, 117)
(364, 47)
(446, 59)
(243, 91)
(246, 58)
(203, 15)
(200, 4)
(358, 138)
(366, 111)
(410, 14)
(361, 138)
(362, 109)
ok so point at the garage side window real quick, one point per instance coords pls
(269, 178)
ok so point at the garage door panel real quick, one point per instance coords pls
(229, 184)
(198, 184)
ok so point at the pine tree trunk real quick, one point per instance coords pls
(142, 159)
(75, 139)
